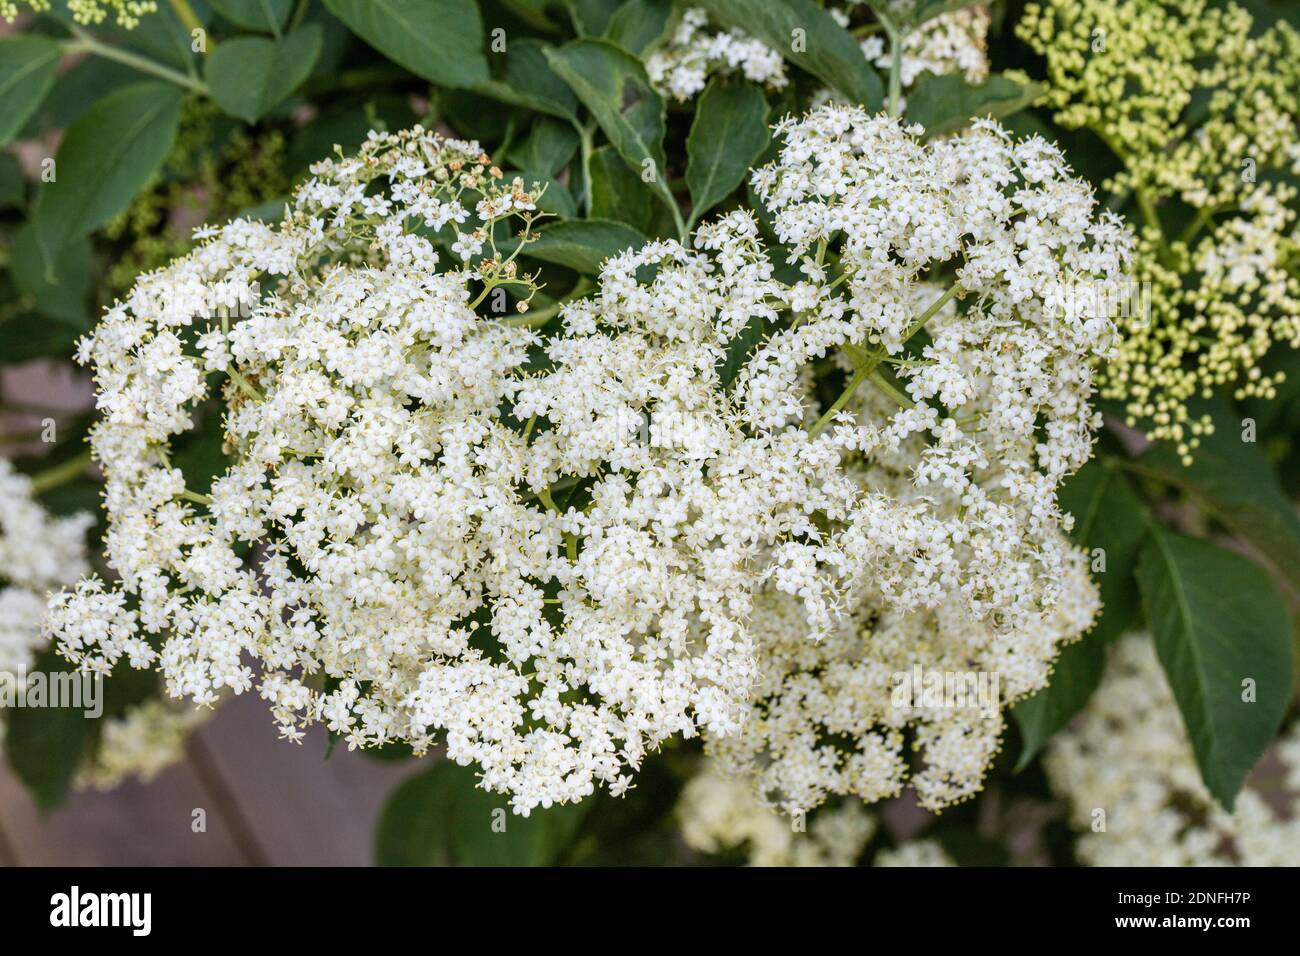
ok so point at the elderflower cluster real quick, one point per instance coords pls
(143, 742)
(437, 525)
(1128, 755)
(953, 42)
(90, 12)
(717, 813)
(38, 553)
(914, 853)
(950, 550)
(979, 411)
(434, 523)
(1201, 109)
(681, 68)
(825, 719)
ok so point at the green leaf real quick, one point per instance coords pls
(45, 744)
(76, 90)
(442, 817)
(1109, 524)
(728, 135)
(823, 47)
(534, 14)
(269, 16)
(1218, 623)
(27, 67)
(618, 194)
(271, 211)
(526, 80)
(583, 244)
(65, 298)
(345, 126)
(13, 182)
(945, 104)
(249, 76)
(25, 337)
(740, 349)
(160, 36)
(440, 40)
(548, 146)
(1108, 515)
(414, 826)
(640, 25)
(106, 157)
(613, 85)
(198, 453)
(1235, 482)
(1075, 676)
(592, 17)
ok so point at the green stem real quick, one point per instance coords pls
(245, 385)
(1148, 210)
(890, 389)
(928, 314)
(539, 317)
(70, 470)
(85, 43)
(357, 79)
(1193, 228)
(299, 12)
(185, 13)
(1152, 220)
(683, 233)
(570, 539)
(585, 137)
(896, 37)
(819, 426)
(499, 156)
(1145, 205)
(865, 364)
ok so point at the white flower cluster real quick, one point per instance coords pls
(147, 739)
(437, 525)
(825, 720)
(951, 541)
(717, 813)
(38, 553)
(953, 42)
(396, 463)
(1128, 755)
(681, 68)
(915, 853)
(972, 430)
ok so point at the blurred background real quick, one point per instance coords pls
(266, 802)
